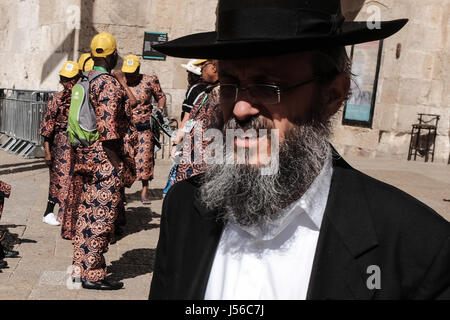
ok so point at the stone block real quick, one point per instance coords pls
(390, 66)
(358, 137)
(406, 116)
(54, 11)
(6, 9)
(413, 91)
(426, 38)
(389, 91)
(434, 96)
(430, 14)
(417, 64)
(124, 13)
(440, 66)
(393, 145)
(386, 117)
(447, 32)
(442, 150)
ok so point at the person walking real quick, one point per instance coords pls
(85, 62)
(205, 114)
(144, 88)
(5, 191)
(58, 151)
(99, 163)
(196, 87)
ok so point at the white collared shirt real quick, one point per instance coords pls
(275, 262)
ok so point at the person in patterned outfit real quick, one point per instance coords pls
(196, 88)
(58, 151)
(5, 191)
(206, 114)
(144, 87)
(101, 168)
(85, 62)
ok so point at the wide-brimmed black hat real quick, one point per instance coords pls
(256, 28)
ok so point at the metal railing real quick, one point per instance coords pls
(21, 113)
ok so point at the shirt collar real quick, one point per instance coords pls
(312, 203)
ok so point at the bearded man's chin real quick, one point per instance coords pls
(241, 193)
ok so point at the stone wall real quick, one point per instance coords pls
(38, 35)
(418, 81)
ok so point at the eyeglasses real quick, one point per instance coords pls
(258, 93)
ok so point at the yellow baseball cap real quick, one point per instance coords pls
(103, 45)
(85, 63)
(130, 63)
(69, 69)
(199, 62)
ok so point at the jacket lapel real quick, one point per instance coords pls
(200, 247)
(344, 251)
(346, 241)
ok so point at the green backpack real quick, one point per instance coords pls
(82, 122)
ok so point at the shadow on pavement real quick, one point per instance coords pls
(17, 170)
(154, 194)
(132, 264)
(11, 239)
(4, 166)
(137, 220)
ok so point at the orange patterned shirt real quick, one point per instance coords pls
(111, 105)
(147, 88)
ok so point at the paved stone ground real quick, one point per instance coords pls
(428, 182)
(41, 270)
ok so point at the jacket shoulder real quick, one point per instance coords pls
(397, 212)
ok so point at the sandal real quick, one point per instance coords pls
(146, 201)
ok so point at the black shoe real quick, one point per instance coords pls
(118, 231)
(10, 253)
(102, 285)
(3, 264)
(121, 222)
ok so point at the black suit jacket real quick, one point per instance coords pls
(366, 223)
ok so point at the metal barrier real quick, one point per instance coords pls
(21, 113)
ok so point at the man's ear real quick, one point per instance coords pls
(336, 94)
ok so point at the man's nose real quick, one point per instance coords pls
(244, 109)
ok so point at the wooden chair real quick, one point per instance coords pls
(423, 136)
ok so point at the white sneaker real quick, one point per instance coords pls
(51, 220)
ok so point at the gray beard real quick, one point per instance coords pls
(242, 195)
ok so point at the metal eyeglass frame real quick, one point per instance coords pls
(276, 88)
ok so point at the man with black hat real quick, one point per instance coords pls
(316, 228)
